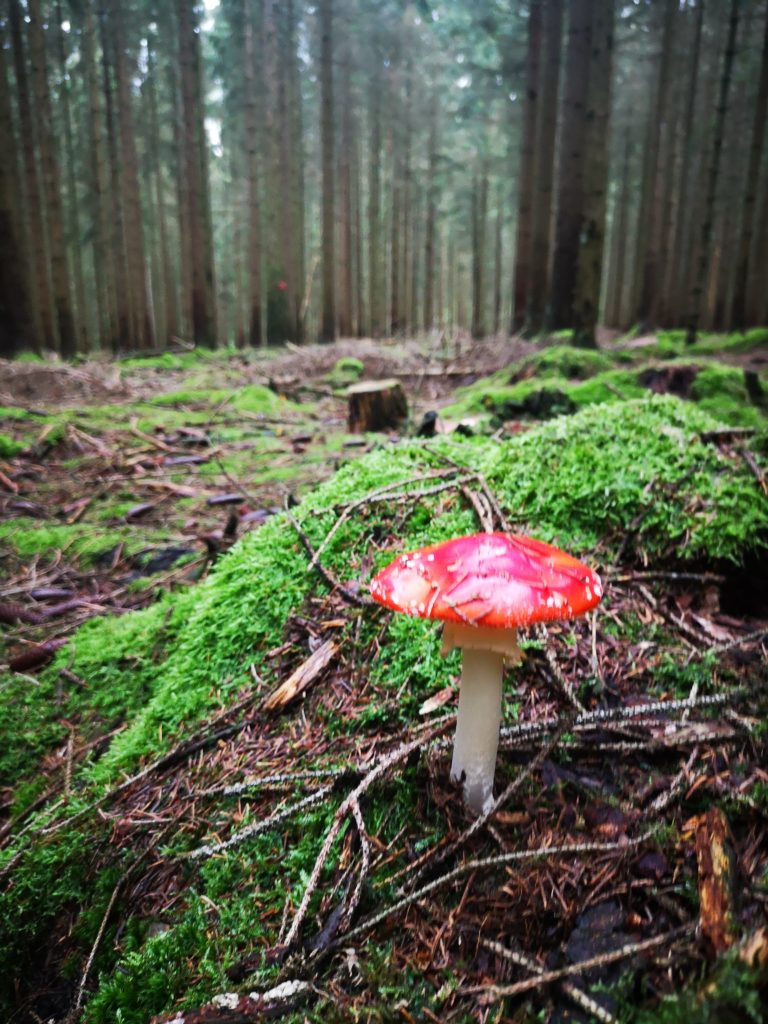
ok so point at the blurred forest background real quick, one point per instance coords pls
(260, 171)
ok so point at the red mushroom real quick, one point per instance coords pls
(483, 587)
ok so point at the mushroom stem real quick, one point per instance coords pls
(477, 726)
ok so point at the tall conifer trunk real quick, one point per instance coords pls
(49, 162)
(328, 314)
(525, 201)
(571, 165)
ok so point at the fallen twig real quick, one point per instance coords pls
(493, 993)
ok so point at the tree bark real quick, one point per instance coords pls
(675, 276)
(103, 260)
(142, 332)
(648, 229)
(62, 298)
(614, 313)
(194, 152)
(523, 249)
(545, 166)
(595, 190)
(328, 314)
(744, 269)
(375, 277)
(17, 330)
(713, 170)
(429, 230)
(479, 217)
(252, 148)
(571, 166)
(40, 290)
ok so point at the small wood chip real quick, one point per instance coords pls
(714, 857)
(302, 678)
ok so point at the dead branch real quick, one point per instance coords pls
(361, 600)
(572, 991)
(493, 993)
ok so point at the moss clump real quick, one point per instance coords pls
(345, 371)
(9, 447)
(562, 361)
(254, 398)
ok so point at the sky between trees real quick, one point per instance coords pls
(259, 171)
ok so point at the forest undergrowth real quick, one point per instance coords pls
(241, 786)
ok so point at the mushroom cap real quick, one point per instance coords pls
(499, 580)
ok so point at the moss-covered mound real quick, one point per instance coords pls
(562, 379)
(636, 478)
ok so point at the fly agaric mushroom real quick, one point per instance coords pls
(483, 587)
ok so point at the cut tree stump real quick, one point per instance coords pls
(376, 405)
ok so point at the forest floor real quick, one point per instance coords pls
(169, 833)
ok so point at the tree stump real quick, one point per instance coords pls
(376, 405)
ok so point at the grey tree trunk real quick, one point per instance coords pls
(713, 171)
(328, 314)
(525, 201)
(595, 195)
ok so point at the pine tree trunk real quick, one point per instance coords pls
(142, 328)
(103, 264)
(498, 258)
(328, 315)
(73, 204)
(595, 188)
(675, 288)
(344, 237)
(51, 186)
(254, 213)
(523, 249)
(17, 331)
(168, 328)
(713, 170)
(479, 217)
(429, 232)
(648, 231)
(614, 314)
(541, 220)
(121, 338)
(41, 292)
(194, 162)
(571, 166)
(744, 268)
(375, 276)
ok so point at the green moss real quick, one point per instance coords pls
(254, 398)
(734, 993)
(11, 412)
(9, 447)
(345, 371)
(28, 537)
(563, 361)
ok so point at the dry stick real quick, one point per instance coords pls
(94, 948)
(480, 864)
(368, 499)
(365, 848)
(401, 753)
(361, 600)
(270, 781)
(496, 992)
(482, 511)
(665, 799)
(259, 826)
(747, 639)
(579, 997)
